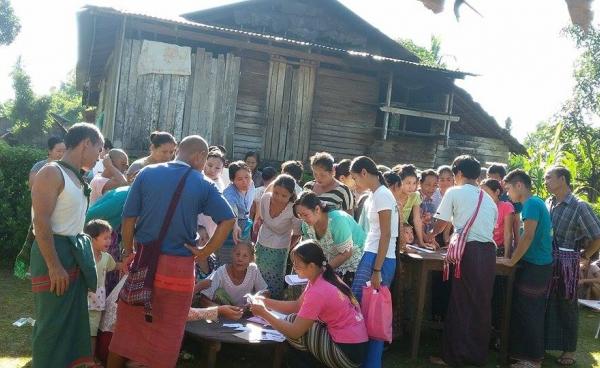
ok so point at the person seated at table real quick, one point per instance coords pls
(204, 266)
(325, 325)
(589, 280)
(231, 282)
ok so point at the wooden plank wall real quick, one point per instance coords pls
(484, 149)
(250, 115)
(146, 102)
(203, 103)
(418, 151)
(289, 109)
(344, 113)
(211, 99)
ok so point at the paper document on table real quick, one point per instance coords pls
(594, 304)
(255, 334)
(420, 249)
(294, 280)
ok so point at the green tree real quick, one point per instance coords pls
(429, 56)
(9, 23)
(30, 113)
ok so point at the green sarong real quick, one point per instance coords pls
(61, 334)
(272, 263)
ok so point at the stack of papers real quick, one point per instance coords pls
(294, 280)
(255, 334)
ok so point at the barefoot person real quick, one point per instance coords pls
(157, 343)
(573, 223)
(62, 263)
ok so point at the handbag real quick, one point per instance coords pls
(457, 244)
(376, 308)
(137, 289)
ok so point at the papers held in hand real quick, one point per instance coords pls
(294, 280)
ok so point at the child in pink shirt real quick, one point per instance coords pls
(325, 325)
(504, 224)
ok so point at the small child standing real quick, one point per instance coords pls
(100, 232)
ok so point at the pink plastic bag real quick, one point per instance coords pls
(376, 307)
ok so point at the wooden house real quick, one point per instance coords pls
(286, 78)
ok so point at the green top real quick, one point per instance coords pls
(343, 233)
(109, 207)
(414, 199)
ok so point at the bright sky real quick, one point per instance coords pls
(525, 65)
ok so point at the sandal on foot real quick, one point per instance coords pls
(524, 364)
(566, 361)
(437, 361)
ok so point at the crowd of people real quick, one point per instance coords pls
(125, 254)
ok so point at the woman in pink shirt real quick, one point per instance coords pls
(504, 224)
(339, 337)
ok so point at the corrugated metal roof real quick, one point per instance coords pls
(268, 37)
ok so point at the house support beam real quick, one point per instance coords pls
(388, 101)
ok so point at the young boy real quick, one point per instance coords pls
(534, 256)
(100, 232)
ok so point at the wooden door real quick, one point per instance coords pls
(289, 109)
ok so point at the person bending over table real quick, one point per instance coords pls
(321, 329)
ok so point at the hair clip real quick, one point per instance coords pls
(324, 263)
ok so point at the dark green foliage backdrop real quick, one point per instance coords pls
(15, 199)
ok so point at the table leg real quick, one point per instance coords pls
(418, 316)
(211, 357)
(280, 350)
(504, 339)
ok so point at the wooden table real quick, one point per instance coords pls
(213, 334)
(427, 262)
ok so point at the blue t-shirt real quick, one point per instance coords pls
(540, 250)
(241, 203)
(109, 207)
(149, 199)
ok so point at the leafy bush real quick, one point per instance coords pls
(15, 207)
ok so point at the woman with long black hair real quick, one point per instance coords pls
(320, 328)
(378, 263)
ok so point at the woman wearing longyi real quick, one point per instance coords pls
(325, 325)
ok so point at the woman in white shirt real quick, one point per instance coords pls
(378, 263)
(468, 319)
(275, 235)
(212, 170)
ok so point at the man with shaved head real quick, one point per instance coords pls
(162, 210)
(115, 165)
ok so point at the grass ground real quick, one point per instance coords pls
(15, 342)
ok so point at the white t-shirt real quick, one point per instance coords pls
(459, 204)
(258, 193)
(380, 200)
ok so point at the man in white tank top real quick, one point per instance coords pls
(62, 270)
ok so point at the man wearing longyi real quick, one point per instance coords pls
(62, 263)
(176, 191)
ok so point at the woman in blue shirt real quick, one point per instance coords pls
(240, 195)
